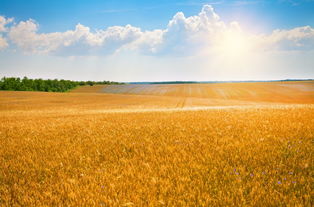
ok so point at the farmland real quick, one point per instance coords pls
(276, 92)
(241, 144)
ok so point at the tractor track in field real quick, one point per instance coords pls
(181, 103)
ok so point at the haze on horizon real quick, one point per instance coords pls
(157, 41)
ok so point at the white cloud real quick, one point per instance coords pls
(188, 35)
(183, 36)
(3, 22)
(300, 38)
(72, 42)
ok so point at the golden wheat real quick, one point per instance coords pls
(68, 151)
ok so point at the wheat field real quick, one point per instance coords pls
(239, 144)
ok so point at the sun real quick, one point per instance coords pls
(234, 45)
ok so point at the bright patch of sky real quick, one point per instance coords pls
(157, 40)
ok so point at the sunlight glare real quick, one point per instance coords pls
(234, 45)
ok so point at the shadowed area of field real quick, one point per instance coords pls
(158, 97)
(280, 92)
(28, 101)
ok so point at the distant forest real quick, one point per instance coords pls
(26, 84)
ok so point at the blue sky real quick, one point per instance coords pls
(60, 15)
(182, 50)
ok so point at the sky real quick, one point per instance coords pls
(137, 40)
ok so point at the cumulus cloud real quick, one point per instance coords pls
(183, 36)
(189, 34)
(301, 38)
(78, 41)
(3, 29)
(3, 22)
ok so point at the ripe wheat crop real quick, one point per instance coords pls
(70, 150)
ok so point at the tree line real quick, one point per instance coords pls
(26, 84)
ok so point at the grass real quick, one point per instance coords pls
(88, 149)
